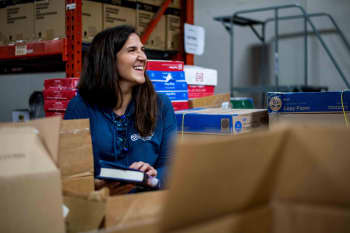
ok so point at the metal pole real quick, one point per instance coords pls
(232, 59)
(305, 53)
(276, 49)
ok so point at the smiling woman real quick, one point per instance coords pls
(131, 125)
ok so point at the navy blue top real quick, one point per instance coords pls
(115, 138)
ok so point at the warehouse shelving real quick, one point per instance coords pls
(237, 19)
(68, 51)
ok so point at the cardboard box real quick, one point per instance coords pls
(173, 29)
(31, 197)
(197, 91)
(55, 105)
(293, 102)
(61, 83)
(164, 65)
(91, 19)
(19, 23)
(309, 118)
(59, 93)
(116, 13)
(120, 212)
(50, 18)
(196, 75)
(168, 80)
(75, 158)
(209, 101)
(280, 180)
(144, 15)
(218, 120)
(3, 35)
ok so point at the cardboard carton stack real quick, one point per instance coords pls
(57, 94)
(17, 21)
(201, 81)
(320, 107)
(168, 78)
(116, 13)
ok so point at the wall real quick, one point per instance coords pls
(16, 88)
(252, 69)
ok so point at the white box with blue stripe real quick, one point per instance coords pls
(308, 102)
(221, 121)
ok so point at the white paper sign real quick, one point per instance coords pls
(194, 39)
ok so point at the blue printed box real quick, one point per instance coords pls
(167, 80)
(176, 95)
(221, 121)
(308, 102)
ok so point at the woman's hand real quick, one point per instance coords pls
(144, 167)
(115, 188)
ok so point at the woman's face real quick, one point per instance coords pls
(131, 61)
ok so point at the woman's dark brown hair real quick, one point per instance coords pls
(99, 83)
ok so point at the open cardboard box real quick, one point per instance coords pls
(291, 178)
(287, 179)
(31, 198)
(89, 209)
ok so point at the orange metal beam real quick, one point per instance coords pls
(189, 58)
(154, 21)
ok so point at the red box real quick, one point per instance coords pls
(163, 65)
(54, 113)
(55, 105)
(61, 83)
(197, 91)
(180, 105)
(60, 93)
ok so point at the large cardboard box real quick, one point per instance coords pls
(120, 12)
(49, 19)
(278, 180)
(19, 22)
(144, 15)
(31, 198)
(91, 19)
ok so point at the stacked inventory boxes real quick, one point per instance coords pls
(168, 78)
(323, 107)
(116, 13)
(57, 94)
(201, 81)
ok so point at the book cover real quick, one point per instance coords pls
(115, 172)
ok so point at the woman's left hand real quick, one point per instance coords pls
(144, 167)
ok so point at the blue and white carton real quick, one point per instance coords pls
(221, 121)
(308, 102)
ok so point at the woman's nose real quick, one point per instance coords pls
(142, 56)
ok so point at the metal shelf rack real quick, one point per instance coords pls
(237, 19)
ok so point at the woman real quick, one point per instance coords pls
(131, 125)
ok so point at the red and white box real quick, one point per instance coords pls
(201, 81)
(61, 83)
(164, 65)
(197, 91)
(55, 105)
(58, 93)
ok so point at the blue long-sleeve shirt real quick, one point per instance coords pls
(116, 139)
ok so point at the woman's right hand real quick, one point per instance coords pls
(115, 188)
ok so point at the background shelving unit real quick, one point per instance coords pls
(66, 54)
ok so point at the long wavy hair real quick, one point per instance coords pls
(99, 83)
